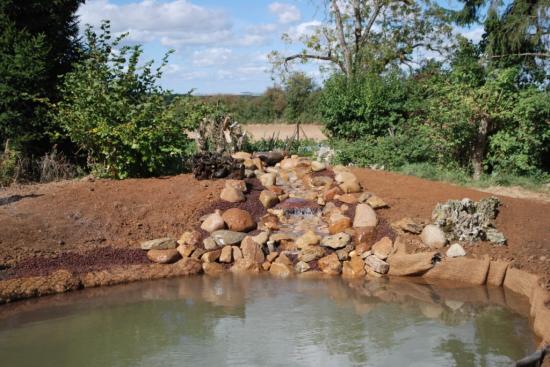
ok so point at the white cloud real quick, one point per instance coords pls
(176, 22)
(212, 56)
(286, 13)
(303, 29)
(474, 34)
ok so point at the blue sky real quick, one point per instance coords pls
(221, 46)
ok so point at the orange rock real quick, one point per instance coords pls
(163, 256)
(340, 225)
(354, 268)
(238, 220)
(330, 264)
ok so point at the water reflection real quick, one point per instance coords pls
(253, 321)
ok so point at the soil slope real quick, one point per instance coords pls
(81, 216)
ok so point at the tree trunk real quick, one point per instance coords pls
(480, 147)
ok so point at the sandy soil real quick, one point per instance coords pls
(283, 131)
(81, 216)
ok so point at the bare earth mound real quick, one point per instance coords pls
(80, 216)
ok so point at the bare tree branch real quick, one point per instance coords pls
(342, 38)
(535, 54)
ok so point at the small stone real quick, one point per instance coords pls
(238, 220)
(224, 237)
(280, 270)
(272, 256)
(212, 268)
(268, 199)
(343, 253)
(159, 244)
(186, 250)
(237, 184)
(376, 203)
(209, 244)
(213, 222)
(308, 239)
(211, 256)
(383, 248)
(355, 268)
(455, 250)
(243, 265)
(364, 197)
(339, 223)
(301, 267)
(365, 216)
(330, 194)
(336, 241)
(241, 155)
(283, 259)
(317, 166)
(311, 253)
(166, 256)
(252, 251)
(319, 181)
(350, 187)
(190, 238)
(232, 195)
(268, 179)
(237, 253)
(433, 237)
(258, 163)
(198, 253)
(377, 265)
(289, 163)
(407, 225)
(261, 238)
(226, 255)
(330, 264)
(348, 198)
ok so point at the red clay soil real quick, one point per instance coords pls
(82, 217)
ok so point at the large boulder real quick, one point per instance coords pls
(433, 237)
(232, 195)
(252, 251)
(365, 216)
(403, 264)
(460, 270)
(311, 253)
(336, 241)
(238, 220)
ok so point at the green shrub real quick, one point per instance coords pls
(303, 147)
(114, 110)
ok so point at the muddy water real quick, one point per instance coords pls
(262, 321)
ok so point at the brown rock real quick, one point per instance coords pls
(383, 248)
(308, 239)
(283, 259)
(343, 253)
(364, 235)
(198, 253)
(365, 216)
(192, 238)
(237, 253)
(241, 155)
(243, 265)
(163, 256)
(351, 186)
(238, 220)
(348, 198)
(232, 195)
(213, 222)
(211, 256)
(272, 256)
(301, 267)
(330, 264)
(226, 255)
(461, 270)
(266, 265)
(403, 264)
(186, 250)
(331, 193)
(377, 265)
(319, 181)
(252, 251)
(376, 202)
(269, 222)
(212, 268)
(280, 270)
(268, 179)
(340, 224)
(407, 225)
(521, 281)
(497, 273)
(354, 268)
(268, 199)
(311, 253)
(159, 244)
(236, 184)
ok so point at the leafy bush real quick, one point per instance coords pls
(114, 110)
(303, 147)
(365, 105)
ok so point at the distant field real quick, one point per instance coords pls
(283, 131)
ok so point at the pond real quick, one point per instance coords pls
(264, 321)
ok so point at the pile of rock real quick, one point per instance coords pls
(319, 220)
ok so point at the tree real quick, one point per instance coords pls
(368, 35)
(38, 44)
(298, 88)
(115, 111)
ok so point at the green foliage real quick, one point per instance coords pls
(365, 105)
(113, 109)
(303, 147)
(38, 43)
(299, 89)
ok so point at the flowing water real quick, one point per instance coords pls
(263, 321)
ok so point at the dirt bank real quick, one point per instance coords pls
(79, 216)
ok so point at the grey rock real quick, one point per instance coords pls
(225, 237)
(159, 244)
(377, 265)
(337, 241)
